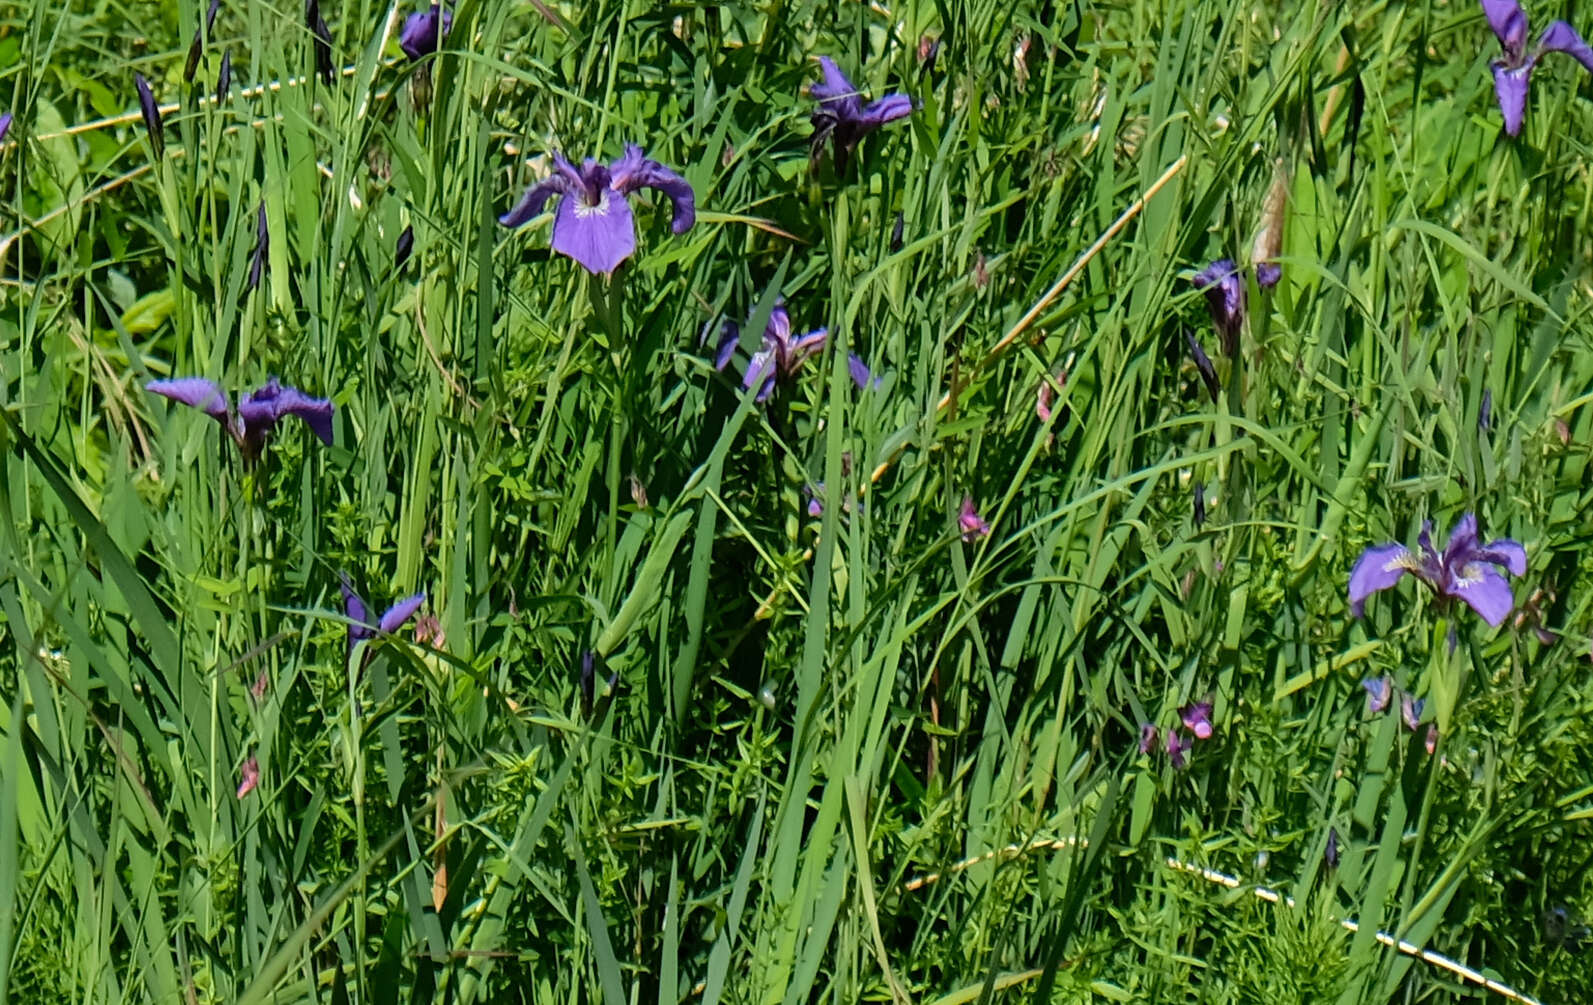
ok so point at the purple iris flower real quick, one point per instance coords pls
(782, 354)
(970, 523)
(362, 627)
(199, 36)
(593, 223)
(323, 38)
(1177, 746)
(258, 411)
(423, 31)
(1466, 570)
(1224, 283)
(1197, 719)
(1378, 692)
(842, 116)
(262, 247)
(1410, 710)
(1147, 737)
(1512, 71)
(151, 112)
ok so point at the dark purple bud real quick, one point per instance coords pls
(224, 77)
(815, 494)
(588, 682)
(896, 233)
(151, 111)
(323, 38)
(1200, 503)
(262, 247)
(1485, 413)
(1147, 737)
(1208, 373)
(199, 36)
(406, 244)
(1330, 854)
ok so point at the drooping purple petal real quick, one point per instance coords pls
(153, 124)
(1510, 86)
(1378, 692)
(534, 199)
(761, 369)
(1561, 37)
(1507, 553)
(1196, 718)
(358, 614)
(394, 617)
(262, 247)
(729, 338)
(599, 236)
(1509, 23)
(634, 171)
(323, 38)
(195, 392)
(1487, 593)
(886, 109)
(861, 376)
(423, 31)
(402, 250)
(224, 77)
(316, 412)
(1377, 569)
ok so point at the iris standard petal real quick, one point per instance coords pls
(1487, 592)
(836, 93)
(1377, 569)
(1510, 86)
(1561, 37)
(394, 617)
(195, 392)
(423, 31)
(633, 171)
(1509, 23)
(258, 408)
(534, 199)
(600, 237)
(886, 109)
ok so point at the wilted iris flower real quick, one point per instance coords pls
(258, 411)
(153, 123)
(842, 116)
(248, 777)
(971, 525)
(262, 247)
(1378, 692)
(1177, 747)
(1196, 718)
(593, 223)
(423, 31)
(1466, 570)
(1512, 71)
(323, 38)
(360, 624)
(1410, 710)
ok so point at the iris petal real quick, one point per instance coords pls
(1377, 569)
(599, 237)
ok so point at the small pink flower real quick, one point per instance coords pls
(970, 523)
(1197, 719)
(250, 777)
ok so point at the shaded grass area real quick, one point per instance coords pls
(808, 711)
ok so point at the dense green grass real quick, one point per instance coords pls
(809, 713)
